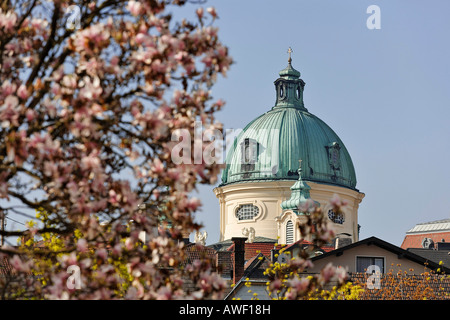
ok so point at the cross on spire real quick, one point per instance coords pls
(290, 51)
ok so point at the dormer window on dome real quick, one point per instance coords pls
(249, 151)
(249, 156)
(333, 151)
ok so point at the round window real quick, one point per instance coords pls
(247, 212)
(336, 217)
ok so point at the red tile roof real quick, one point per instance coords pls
(326, 248)
(194, 251)
(5, 267)
(415, 240)
(410, 287)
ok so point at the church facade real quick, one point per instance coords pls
(278, 161)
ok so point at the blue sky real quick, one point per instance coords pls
(384, 92)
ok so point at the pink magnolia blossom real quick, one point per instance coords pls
(96, 112)
(157, 167)
(90, 39)
(191, 204)
(102, 253)
(212, 12)
(9, 112)
(299, 284)
(337, 202)
(82, 245)
(91, 89)
(327, 273)
(39, 25)
(19, 265)
(199, 12)
(8, 88)
(91, 162)
(8, 20)
(3, 185)
(134, 7)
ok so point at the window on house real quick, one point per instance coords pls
(363, 264)
(289, 232)
(247, 212)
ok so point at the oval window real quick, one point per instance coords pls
(247, 212)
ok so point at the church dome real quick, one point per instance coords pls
(270, 147)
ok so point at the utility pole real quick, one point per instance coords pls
(2, 226)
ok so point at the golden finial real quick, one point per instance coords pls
(290, 51)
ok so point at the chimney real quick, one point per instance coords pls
(185, 235)
(239, 258)
(224, 263)
(443, 245)
(342, 242)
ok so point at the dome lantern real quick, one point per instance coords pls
(289, 87)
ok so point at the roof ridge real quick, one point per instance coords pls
(435, 221)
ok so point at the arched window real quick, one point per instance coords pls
(247, 212)
(334, 155)
(289, 232)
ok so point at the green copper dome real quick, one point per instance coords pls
(270, 146)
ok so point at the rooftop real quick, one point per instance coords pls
(438, 225)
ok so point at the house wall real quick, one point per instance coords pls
(348, 260)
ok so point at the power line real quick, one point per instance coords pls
(15, 221)
(3, 218)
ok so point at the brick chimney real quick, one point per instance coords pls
(224, 263)
(239, 258)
